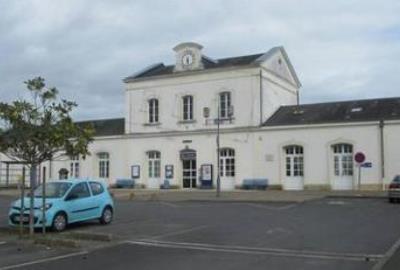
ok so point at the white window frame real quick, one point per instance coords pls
(225, 102)
(187, 108)
(153, 110)
(343, 159)
(74, 166)
(104, 164)
(227, 162)
(294, 161)
(154, 161)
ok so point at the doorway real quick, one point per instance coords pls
(189, 173)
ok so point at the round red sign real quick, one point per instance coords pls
(359, 157)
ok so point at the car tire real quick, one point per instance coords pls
(106, 216)
(59, 222)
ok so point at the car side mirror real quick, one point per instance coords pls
(71, 197)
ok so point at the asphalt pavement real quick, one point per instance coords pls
(330, 233)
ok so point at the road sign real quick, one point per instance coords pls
(367, 165)
(359, 157)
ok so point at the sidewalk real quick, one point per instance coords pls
(239, 195)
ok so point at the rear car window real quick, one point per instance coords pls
(396, 178)
(96, 188)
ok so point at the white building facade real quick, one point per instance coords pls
(168, 134)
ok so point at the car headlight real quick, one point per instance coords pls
(47, 206)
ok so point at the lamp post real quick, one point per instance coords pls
(218, 156)
(206, 114)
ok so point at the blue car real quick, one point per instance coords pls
(67, 201)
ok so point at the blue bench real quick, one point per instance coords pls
(255, 183)
(165, 185)
(125, 183)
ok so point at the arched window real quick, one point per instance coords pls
(153, 110)
(74, 166)
(343, 159)
(227, 162)
(154, 164)
(187, 102)
(225, 105)
(294, 160)
(104, 164)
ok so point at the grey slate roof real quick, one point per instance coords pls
(161, 69)
(337, 112)
(106, 127)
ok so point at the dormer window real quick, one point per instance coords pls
(187, 102)
(153, 111)
(225, 105)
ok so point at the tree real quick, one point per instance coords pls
(41, 129)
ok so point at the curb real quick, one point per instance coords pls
(100, 237)
(357, 196)
(56, 242)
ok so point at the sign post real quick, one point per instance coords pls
(359, 157)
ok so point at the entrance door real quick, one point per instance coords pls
(343, 166)
(189, 173)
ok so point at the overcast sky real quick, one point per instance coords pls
(340, 49)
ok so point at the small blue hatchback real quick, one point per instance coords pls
(67, 201)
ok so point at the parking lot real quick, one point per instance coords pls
(326, 233)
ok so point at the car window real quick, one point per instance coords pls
(397, 178)
(96, 188)
(81, 190)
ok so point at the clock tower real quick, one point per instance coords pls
(188, 56)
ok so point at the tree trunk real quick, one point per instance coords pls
(32, 197)
(44, 201)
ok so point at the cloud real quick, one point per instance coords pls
(340, 49)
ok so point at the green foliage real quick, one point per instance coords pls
(41, 129)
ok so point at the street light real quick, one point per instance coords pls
(206, 114)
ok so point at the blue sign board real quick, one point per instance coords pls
(367, 165)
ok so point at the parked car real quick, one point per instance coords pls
(394, 190)
(67, 201)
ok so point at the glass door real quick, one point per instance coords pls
(189, 173)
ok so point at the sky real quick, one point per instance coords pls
(342, 49)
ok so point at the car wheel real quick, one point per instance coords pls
(106, 216)
(59, 222)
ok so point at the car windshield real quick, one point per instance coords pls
(396, 179)
(53, 189)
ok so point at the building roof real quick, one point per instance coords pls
(337, 112)
(106, 127)
(208, 63)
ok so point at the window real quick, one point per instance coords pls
(74, 166)
(224, 104)
(187, 108)
(154, 164)
(294, 161)
(343, 159)
(79, 191)
(104, 165)
(227, 162)
(96, 188)
(153, 110)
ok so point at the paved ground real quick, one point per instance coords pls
(330, 233)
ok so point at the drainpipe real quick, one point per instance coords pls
(261, 99)
(382, 142)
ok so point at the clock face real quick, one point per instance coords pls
(187, 59)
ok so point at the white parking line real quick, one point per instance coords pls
(260, 251)
(388, 254)
(15, 266)
(2, 243)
